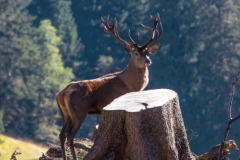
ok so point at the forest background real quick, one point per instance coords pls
(45, 44)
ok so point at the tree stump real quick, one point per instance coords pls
(145, 125)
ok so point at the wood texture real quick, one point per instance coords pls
(145, 125)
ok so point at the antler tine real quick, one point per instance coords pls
(152, 17)
(137, 38)
(130, 37)
(161, 27)
(105, 24)
(155, 34)
(113, 30)
(146, 27)
(133, 43)
(158, 17)
(160, 24)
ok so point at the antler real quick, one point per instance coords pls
(133, 43)
(154, 35)
(113, 30)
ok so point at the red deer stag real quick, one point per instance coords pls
(90, 96)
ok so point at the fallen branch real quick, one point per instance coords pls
(82, 146)
(230, 119)
(16, 152)
(214, 152)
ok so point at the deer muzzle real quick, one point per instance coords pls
(148, 62)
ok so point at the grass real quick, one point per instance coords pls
(29, 150)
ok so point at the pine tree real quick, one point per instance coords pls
(14, 30)
(50, 78)
(63, 20)
(61, 16)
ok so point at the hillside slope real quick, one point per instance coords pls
(29, 150)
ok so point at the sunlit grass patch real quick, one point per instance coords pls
(29, 150)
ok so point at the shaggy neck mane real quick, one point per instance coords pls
(135, 78)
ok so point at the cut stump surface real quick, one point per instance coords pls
(145, 125)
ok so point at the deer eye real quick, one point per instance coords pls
(136, 53)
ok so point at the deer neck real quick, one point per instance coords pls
(136, 79)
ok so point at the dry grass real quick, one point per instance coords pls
(29, 150)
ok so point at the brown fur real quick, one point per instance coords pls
(90, 96)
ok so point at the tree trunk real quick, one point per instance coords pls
(145, 125)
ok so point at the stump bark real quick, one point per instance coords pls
(145, 125)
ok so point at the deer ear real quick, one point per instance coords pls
(153, 48)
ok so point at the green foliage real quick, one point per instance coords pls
(1, 123)
(104, 64)
(66, 27)
(32, 73)
(15, 31)
(53, 77)
(61, 16)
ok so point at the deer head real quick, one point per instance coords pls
(140, 54)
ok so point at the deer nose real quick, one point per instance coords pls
(147, 61)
